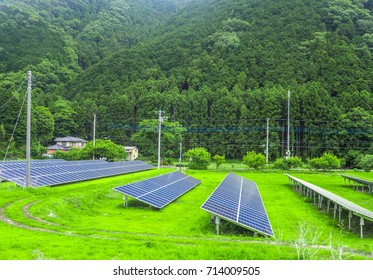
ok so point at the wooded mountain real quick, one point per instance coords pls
(219, 67)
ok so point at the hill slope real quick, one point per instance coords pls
(90, 30)
(221, 68)
(225, 66)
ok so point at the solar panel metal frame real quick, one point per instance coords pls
(154, 187)
(344, 203)
(57, 172)
(237, 214)
(357, 181)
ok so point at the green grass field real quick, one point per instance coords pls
(86, 221)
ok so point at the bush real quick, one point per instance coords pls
(366, 163)
(352, 158)
(103, 149)
(60, 155)
(167, 161)
(287, 163)
(281, 164)
(254, 160)
(326, 162)
(219, 160)
(199, 158)
(295, 162)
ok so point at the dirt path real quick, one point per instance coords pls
(9, 221)
(25, 211)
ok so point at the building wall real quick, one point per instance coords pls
(132, 154)
(71, 144)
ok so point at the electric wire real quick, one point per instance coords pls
(14, 95)
(14, 129)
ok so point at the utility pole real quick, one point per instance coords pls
(160, 121)
(94, 134)
(267, 142)
(288, 153)
(28, 131)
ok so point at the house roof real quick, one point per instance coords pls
(69, 139)
(130, 147)
(57, 147)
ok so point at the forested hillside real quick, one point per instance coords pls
(219, 67)
(58, 40)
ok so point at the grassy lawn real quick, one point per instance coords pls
(87, 221)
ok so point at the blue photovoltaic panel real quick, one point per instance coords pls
(57, 172)
(161, 190)
(238, 200)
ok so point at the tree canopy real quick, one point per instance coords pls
(220, 69)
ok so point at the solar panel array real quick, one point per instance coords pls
(238, 200)
(57, 172)
(161, 190)
(344, 203)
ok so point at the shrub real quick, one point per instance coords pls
(326, 162)
(281, 164)
(287, 163)
(254, 160)
(60, 155)
(219, 160)
(199, 158)
(366, 163)
(352, 158)
(295, 162)
(167, 161)
(103, 149)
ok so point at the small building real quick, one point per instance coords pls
(65, 143)
(55, 148)
(132, 152)
(70, 142)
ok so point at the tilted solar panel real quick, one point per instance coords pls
(57, 172)
(161, 190)
(238, 200)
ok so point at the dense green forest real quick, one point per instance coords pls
(220, 68)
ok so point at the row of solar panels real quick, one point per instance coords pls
(57, 172)
(236, 199)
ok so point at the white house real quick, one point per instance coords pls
(132, 152)
(65, 143)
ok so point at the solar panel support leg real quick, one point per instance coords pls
(361, 227)
(217, 223)
(125, 199)
(340, 213)
(328, 206)
(314, 198)
(349, 219)
(320, 200)
(335, 210)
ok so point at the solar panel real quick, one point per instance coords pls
(161, 190)
(238, 200)
(339, 202)
(57, 172)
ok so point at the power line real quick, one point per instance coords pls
(13, 96)
(14, 129)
